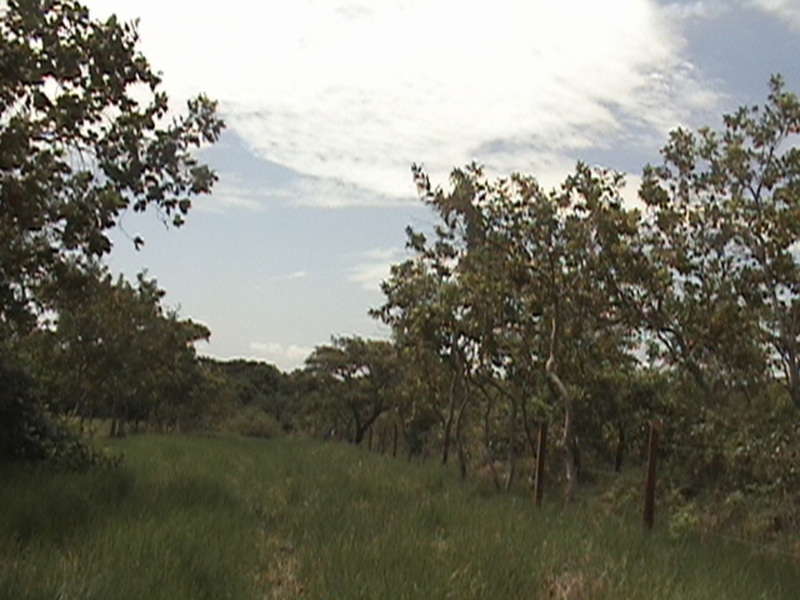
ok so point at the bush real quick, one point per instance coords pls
(28, 431)
(252, 422)
(24, 424)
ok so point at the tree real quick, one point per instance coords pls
(357, 376)
(116, 352)
(425, 306)
(85, 134)
(24, 426)
(722, 298)
(518, 288)
(260, 385)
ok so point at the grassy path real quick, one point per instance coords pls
(222, 517)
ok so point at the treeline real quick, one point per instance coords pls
(575, 308)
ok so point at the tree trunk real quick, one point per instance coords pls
(358, 435)
(793, 369)
(620, 451)
(448, 425)
(512, 447)
(117, 428)
(462, 457)
(569, 446)
(488, 446)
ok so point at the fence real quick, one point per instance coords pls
(654, 450)
(648, 511)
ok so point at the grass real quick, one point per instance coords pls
(226, 517)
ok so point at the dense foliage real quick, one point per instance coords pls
(524, 306)
(86, 133)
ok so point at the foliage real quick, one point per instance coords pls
(356, 375)
(115, 352)
(516, 290)
(523, 305)
(717, 295)
(28, 431)
(261, 386)
(722, 288)
(253, 422)
(24, 426)
(86, 134)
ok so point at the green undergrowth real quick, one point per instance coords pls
(227, 517)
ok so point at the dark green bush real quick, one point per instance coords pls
(28, 431)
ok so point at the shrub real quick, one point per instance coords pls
(28, 431)
(252, 422)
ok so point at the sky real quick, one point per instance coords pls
(329, 102)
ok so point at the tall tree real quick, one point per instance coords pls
(116, 352)
(721, 298)
(428, 310)
(85, 134)
(523, 281)
(357, 376)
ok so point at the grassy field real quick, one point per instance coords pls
(224, 517)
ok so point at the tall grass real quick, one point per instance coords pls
(166, 525)
(225, 517)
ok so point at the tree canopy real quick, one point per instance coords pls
(86, 133)
(570, 303)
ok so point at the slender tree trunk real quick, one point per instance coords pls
(620, 450)
(462, 457)
(793, 371)
(533, 443)
(448, 425)
(487, 444)
(512, 447)
(117, 427)
(526, 424)
(568, 443)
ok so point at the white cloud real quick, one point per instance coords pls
(229, 195)
(788, 10)
(698, 9)
(284, 356)
(374, 267)
(350, 93)
(335, 193)
(290, 276)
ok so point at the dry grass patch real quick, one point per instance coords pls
(575, 585)
(279, 580)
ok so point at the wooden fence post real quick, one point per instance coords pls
(650, 484)
(541, 446)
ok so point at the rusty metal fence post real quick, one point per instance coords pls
(650, 483)
(541, 446)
